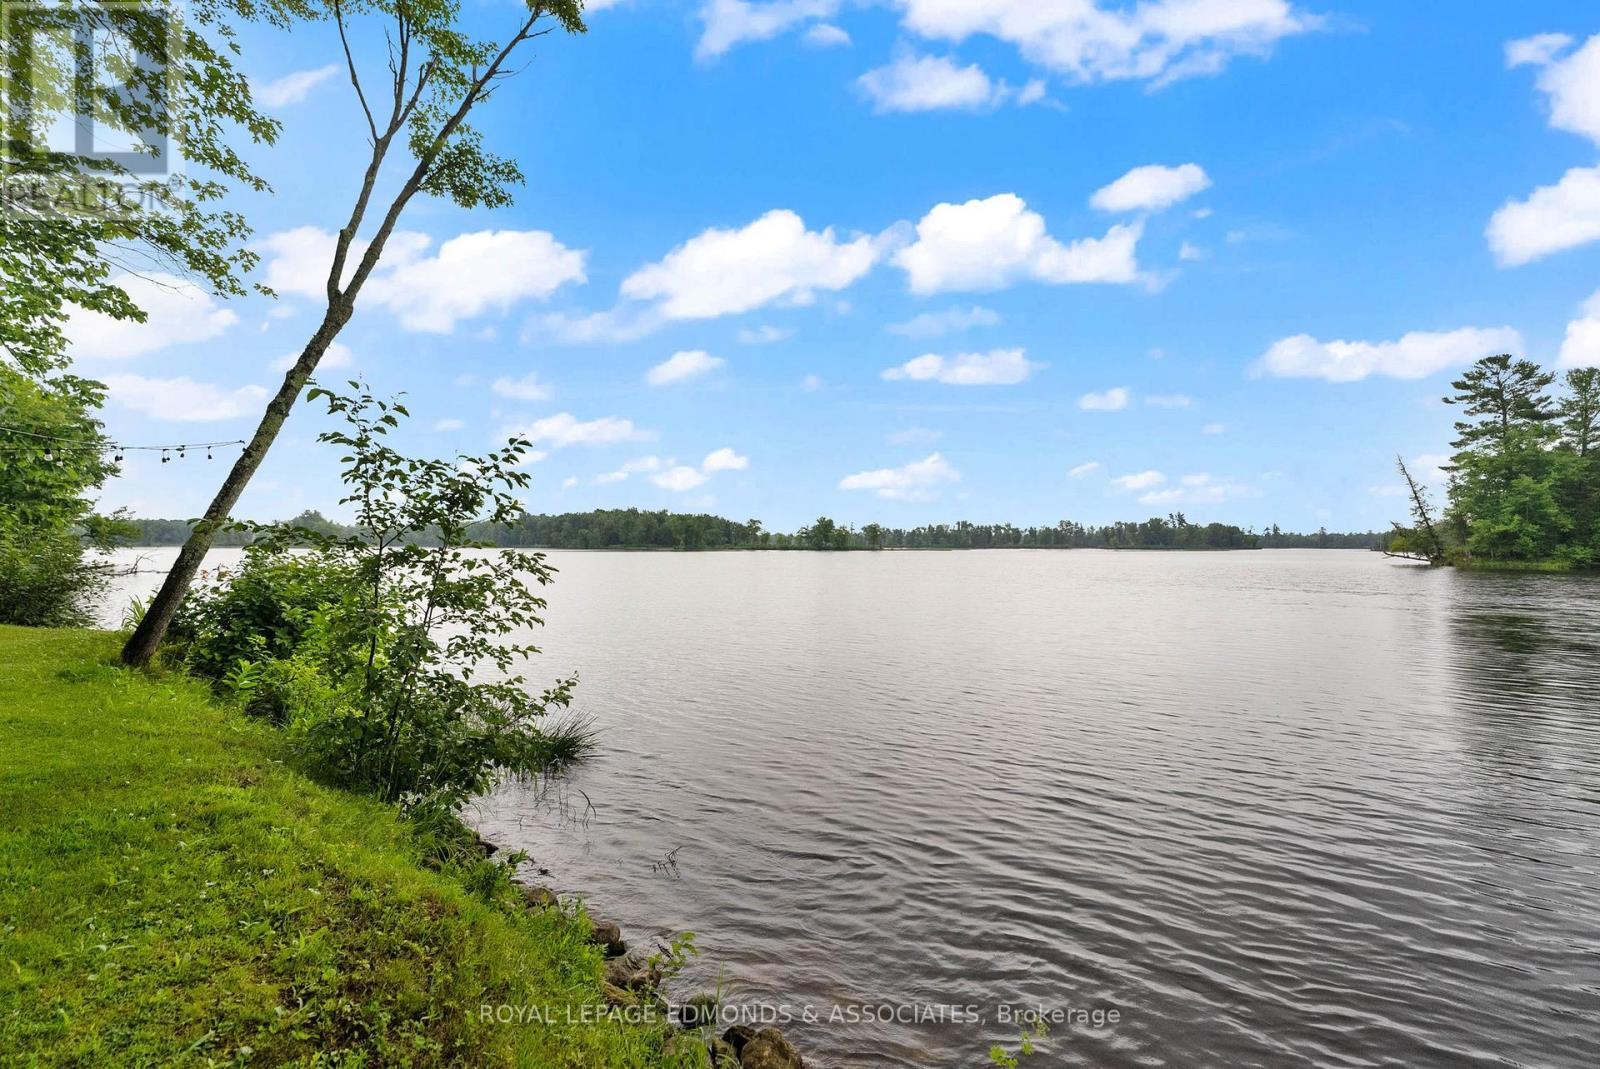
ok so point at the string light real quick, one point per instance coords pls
(56, 446)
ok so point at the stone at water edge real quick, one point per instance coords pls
(632, 972)
(769, 1050)
(697, 1011)
(608, 935)
(540, 897)
(737, 1036)
(723, 1056)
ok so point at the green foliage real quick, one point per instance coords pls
(173, 893)
(1525, 478)
(52, 454)
(391, 649)
(67, 250)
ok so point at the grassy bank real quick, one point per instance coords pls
(172, 894)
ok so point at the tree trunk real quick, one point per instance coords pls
(141, 645)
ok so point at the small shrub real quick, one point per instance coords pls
(46, 577)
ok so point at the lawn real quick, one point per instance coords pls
(172, 894)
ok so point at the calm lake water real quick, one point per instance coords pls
(1276, 809)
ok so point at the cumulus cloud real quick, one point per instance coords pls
(826, 35)
(1581, 347)
(292, 88)
(527, 388)
(1142, 480)
(679, 478)
(1112, 400)
(724, 459)
(448, 425)
(917, 481)
(1565, 215)
(679, 367)
(930, 83)
(729, 23)
(183, 400)
(1552, 219)
(564, 429)
(1151, 188)
(468, 275)
(1084, 470)
(949, 321)
(177, 313)
(765, 334)
(989, 244)
(722, 272)
(998, 367)
(472, 273)
(1200, 488)
(1414, 356)
(1157, 41)
(1214, 428)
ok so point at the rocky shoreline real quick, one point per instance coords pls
(633, 980)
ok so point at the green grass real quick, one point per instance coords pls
(172, 894)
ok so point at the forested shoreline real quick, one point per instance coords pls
(641, 529)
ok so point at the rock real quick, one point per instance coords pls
(723, 1056)
(484, 846)
(769, 1050)
(697, 1011)
(737, 1036)
(608, 935)
(617, 996)
(632, 972)
(541, 897)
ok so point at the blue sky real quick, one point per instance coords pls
(922, 260)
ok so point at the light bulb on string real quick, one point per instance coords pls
(164, 458)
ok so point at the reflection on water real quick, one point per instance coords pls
(1279, 809)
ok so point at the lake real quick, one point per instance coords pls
(1280, 808)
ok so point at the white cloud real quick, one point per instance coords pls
(569, 482)
(527, 388)
(637, 466)
(765, 334)
(812, 383)
(1084, 470)
(1169, 400)
(1191, 252)
(177, 313)
(720, 272)
(1414, 356)
(1214, 428)
(1112, 400)
(468, 275)
(448, 425)
(1537, 50)
(916, 481)
(1151, 188)
(691, 363)
(724, 459)
(998, 367)
(292, 88)
(1157, 41)
(1581, 347)
(338, 355)
(826, 35)
(1552, 219)
(1199, 489)
(615, 326)
(679, 479)
(1143, 480)
(729, 23)
(988, 244)
(950, 321)
(182, 400)
(472, 273)
(1567, 214)
(563, 429)
(930, 83)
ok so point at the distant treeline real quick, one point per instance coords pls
(641, 529)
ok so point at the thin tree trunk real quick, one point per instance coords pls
(141, 645)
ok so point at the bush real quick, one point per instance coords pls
(46, 578)
(390, 650)
(262, 611)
